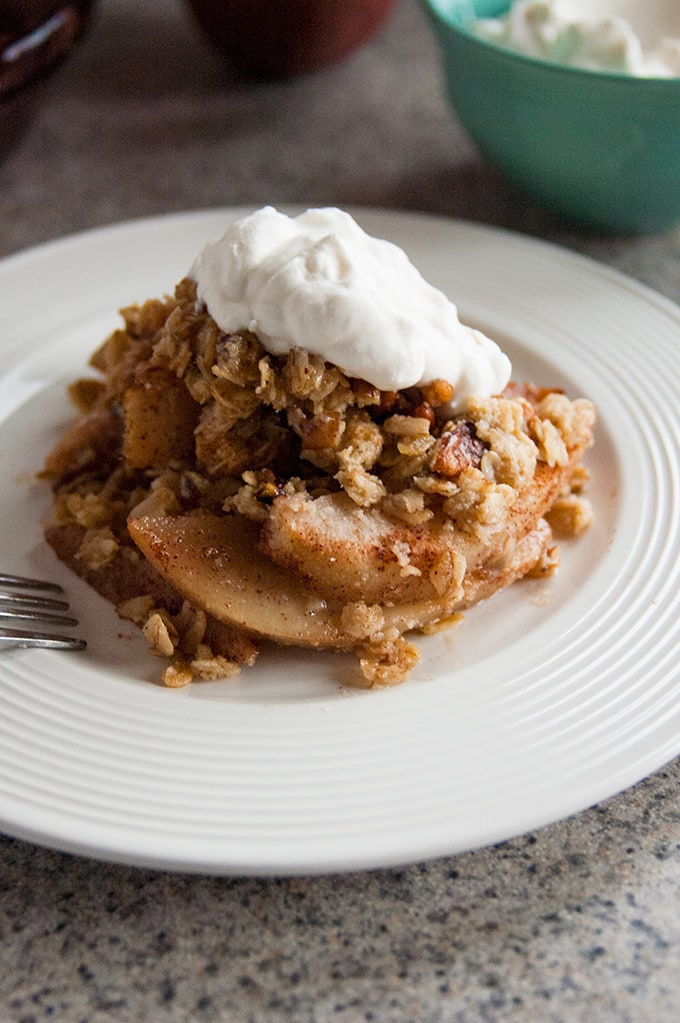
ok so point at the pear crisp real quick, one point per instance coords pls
(220, 495)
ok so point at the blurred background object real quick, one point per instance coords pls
(281, 40)
(34, 36)
(599, 148)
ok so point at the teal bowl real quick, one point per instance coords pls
(598, 148)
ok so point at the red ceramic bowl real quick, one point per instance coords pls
(280, 40)
(34, 36)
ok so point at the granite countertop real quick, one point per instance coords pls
(576, 922)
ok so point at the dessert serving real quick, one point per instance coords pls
(305, 445)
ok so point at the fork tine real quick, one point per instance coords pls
(29, 584)
(26, 638)
(35, 615)
(31, 600)
(37, 608)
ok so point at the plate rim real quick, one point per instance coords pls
(347, 860)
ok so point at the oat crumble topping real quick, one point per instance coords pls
(183, 418)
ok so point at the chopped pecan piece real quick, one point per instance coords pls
(322, 431)
(457, 449)
(365, 393)
(423, 411)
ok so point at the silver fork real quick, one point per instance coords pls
(39, 603)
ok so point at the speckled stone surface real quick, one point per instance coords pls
(577, 923)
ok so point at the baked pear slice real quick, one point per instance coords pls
(214, 561)
(128, 576)
(349, 553)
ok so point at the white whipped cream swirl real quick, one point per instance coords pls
(319, 282)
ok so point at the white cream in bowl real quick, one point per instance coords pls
(632, 37)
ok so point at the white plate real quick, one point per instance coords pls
(545, 700)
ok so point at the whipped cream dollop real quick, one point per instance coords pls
(318, 282)
(632, 37)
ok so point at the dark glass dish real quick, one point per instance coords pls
(35, 35)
